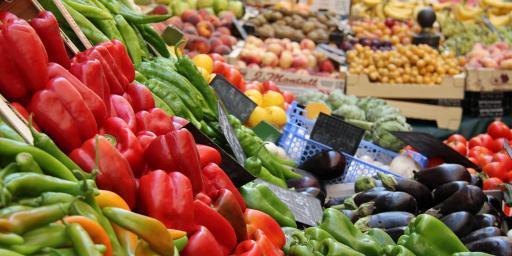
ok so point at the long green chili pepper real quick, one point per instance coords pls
(26, 163)
(82, 242)
(159, 103)
(10, 168)
(5, 252)
(47, 198)
(89, 11)
(48, 163)
(143, 46)
(52, 235)
(112, 5)
(137, 18)
(65, 251)
(8, 211)
(90, 31)
(130, 38)
(10, 239)
(22, 221)
(34, 184)
(154, 39)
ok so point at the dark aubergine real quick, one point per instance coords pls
(486, 220)
(325, 165)
(369, 195)
(419, 191)
(387, 220)
(442, 174)
(496, 245)
(395, 232)
(307, 180)
(443, 192)
(461, 223)
(469, 198)
(395, 201)
(480, 234)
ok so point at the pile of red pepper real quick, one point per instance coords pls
(95, 112)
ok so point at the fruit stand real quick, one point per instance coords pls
(262, 128)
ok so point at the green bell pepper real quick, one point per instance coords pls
(427, 235)
(300, 250)
(330, 247)
(318, 234)
(342, 229)
(380, 236)
(260, 197)
(291, 238)
(471, 254)
(396, 250)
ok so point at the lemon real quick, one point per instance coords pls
(204, 61)
(255, 99)
(258, 114)
(272, 98)
(277, 116)
(313, 109)
(255, 96)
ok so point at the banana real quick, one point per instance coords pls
(379, 11)
(441, 6)
(464, 13)
(397, 13)
(500, 4)
(372, 3)
(358, 10)
(499, 21)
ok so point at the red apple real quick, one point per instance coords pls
(216, 56)
(205, 28)
(222, 49)
(160, 10)
(199, 44)
(307, 44)
(224, 31)
(326, 66)
(219, 67)
(191, 16)
(176, 22)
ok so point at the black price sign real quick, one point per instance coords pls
(240, 30)
(235, 171)
(307, 209)
(336, 133)
(235, 101)
(172, 35)
(430, 146)
(233, 142)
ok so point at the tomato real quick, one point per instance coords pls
(492, 183)
(220, 67)
(458, 146)
(497, 170)
(241, 85)
(474, 160)
(233, 76)
(479, 150)
(497, 144)
(457, 137)
(216, 56)
(289, 97)
(483, 160)
(504, 158)
(483, 140)
(270, 86)
(253, 86)
(498, 129)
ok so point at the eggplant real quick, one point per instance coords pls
(352, 215)
(476, 180)
(419, 191)
(469, 198)
(443, 192)
(442, 174)
(368, 196)
(496, 245)
(334, 201)
(325, 165)
(461, 223)
(388, 202)
(395, 232)
(307, 180)
(385, 220)
(486, 220)
(480, 234)
(314, 192)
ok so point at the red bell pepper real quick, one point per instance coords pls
(115, 173)
(123, 61)
(90, 72)
(266, 246)
(158, 155)
(215, 179)
(47, 28)
(179, 122)
(206, 216)
(120, 107)
(93, 101)
(208, 155)
(202, 242)
(127, 144)
(184, 152)
(264, 222)
(140, 97)
(24, 113)
(154, 120)
(168, 198)
(226, 205)
(203, 198)
(145, 138)
(12, 84)
(248, 248)
(27, 52)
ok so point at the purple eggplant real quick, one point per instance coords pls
(443, 192)
(486, 220)
(388, 202)
(480, 234)
(368, 196)
(325, 165)
(385, 220)
(461, 223)
(442, 174)
(469, 198)
(419, 191)
(496, 245)
(307, 180)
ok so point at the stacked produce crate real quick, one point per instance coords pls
(488, 92)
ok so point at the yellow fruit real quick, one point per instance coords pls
(204, 73)
(258, 114)
(204, 61)
(277, 116)
(255, 96)
(272, 98)
(255, 99)
(210, 78)
(314, 109)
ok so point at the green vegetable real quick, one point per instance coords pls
(130, 38)
(90, 31)
(52, 235)
(382, 128)
(154, 39)
(88, 10)
(381, 111)
(350, 112)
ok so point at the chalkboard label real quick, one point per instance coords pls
(430, 146)
(172, 35)
(226, 128)
(336, 133)
(236, 172)
(235, 101)
(307, 209)
(240, 30)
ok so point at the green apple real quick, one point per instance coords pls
(192, 4)
(179, 7)
(237, 8)
(220, 5)
(204, 4)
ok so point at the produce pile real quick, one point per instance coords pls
(405, 64)
(388, 30)
(271, 104)
(282, 54)
(294, 25)
(371, 114)
(497, 55)
(216, 7)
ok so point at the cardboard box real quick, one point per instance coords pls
(445, 117)
(450, 88)
(488, 80)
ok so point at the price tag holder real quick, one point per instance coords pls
(226, 128)
(239, 29)
(430, 146)
(336, 133)
(235, 101)
(172, 35)
(307, 209)
(234, 170)
(332, 53)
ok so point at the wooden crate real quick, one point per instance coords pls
(488, 80)
(450, 88)
(445, 117)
